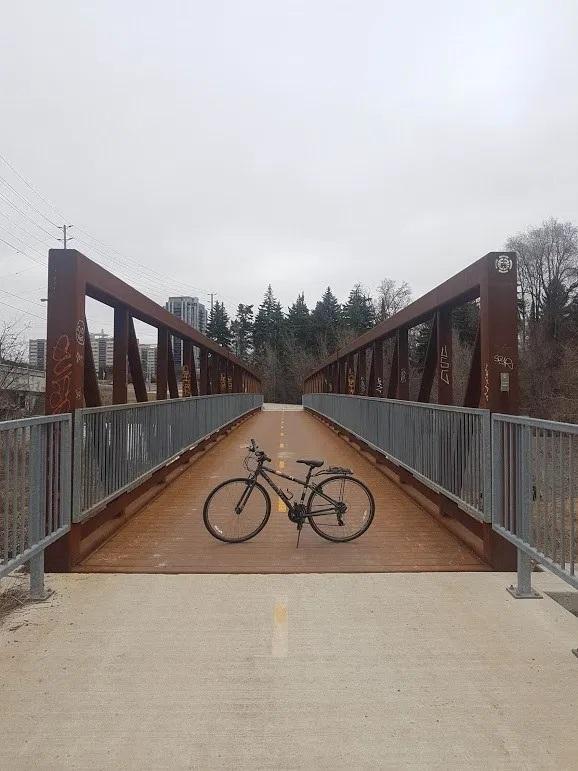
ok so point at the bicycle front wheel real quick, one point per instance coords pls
(356, 514)
(236, 510)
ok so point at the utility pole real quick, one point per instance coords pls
(65, 238)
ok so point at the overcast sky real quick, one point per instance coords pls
(231, 144)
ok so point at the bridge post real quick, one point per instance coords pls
(162, 362)
(499, 334)
(120, 355)
(203, 371)
(444, 356)
(66, 331)
(402, 365)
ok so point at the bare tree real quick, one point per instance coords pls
(391, 298)
(547, 261)
(11, 361)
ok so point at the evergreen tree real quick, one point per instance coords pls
(242, 331)
(326, 320)
(299, 323)
(218, 326)
(269, 323)
(358, 312)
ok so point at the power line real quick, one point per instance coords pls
(19, 251)
(21, 310)
(28, 233)
(30, 185)
(19, 297)
(27, 201)
(23, 214)
(154, 278)
(24, 270)
(26, 246)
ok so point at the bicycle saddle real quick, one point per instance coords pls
(312, 463)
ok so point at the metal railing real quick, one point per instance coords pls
(35, 483)
(117, 448)
(535, 494)
(446, 448)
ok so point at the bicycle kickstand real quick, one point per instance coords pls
(299, 529)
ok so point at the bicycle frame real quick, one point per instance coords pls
(264, 471)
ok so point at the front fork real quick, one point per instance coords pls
(245, 496)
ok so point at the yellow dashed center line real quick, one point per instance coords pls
(280, 505)
(281, 464)
(281, 446)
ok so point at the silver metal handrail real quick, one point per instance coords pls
(117, 448)
(447, 448)
(35, 455)
(535, 494)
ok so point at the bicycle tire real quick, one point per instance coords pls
(368, 516)
(218, 533)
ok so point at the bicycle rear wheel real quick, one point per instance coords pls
(236, 510)
(354, 521)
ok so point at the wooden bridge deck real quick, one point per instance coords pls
(168, 535)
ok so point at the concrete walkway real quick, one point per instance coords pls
(362, 671)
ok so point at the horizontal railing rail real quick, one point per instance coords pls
(446, 448)
(117, 448)
(35, 484)
(535, 493)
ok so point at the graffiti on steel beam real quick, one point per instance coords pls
(403, 376)
(186, 380)
(80, 332)
(351, 382)
(59, 400)
(486, 382)
(445, 365)
(504, 361)
(362, 385)
(379, 386)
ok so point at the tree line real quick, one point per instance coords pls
(285, 345)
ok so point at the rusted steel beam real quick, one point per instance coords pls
(188, 370)
(203, 371)
(65, 334)
(402, 365)
(358, 364)
(193, 370)
(350, 375)
(444, 356)
(162, 362)
(172, 373)
(393, 375)
(120, 356)
(463, 287)
(499, 335)
(72, 276)
(430, 364)
(135, 365)
(376, 371)
(91, 389)
(473, 389)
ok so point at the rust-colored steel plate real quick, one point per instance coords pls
(168, 535)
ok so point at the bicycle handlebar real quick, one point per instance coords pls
(253, 447)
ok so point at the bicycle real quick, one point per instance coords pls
(238, 509)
